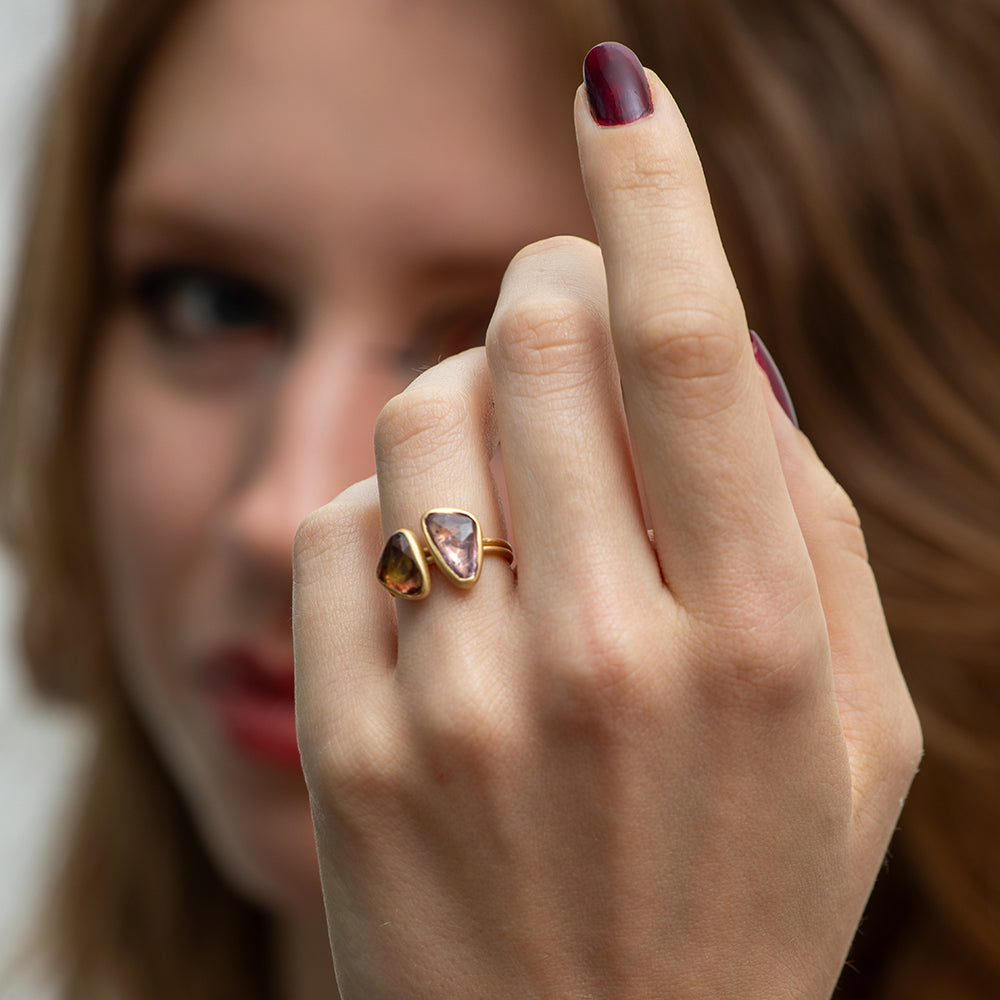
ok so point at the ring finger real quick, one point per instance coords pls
(433, 444)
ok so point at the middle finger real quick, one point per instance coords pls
(575, 505)
(697, 421)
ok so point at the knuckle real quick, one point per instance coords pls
(537, 253)
(886, 771)
(688, 345)
(464, 725)
(601, 679)
(843, 516)
(316, 536)
(331, 533)
(361, 767)
(765, 659)
(420, 422)
(908, 744)
(654, 177)
(320, 536)
(541, 333)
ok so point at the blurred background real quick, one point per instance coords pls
(39, 745)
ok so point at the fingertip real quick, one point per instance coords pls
(644, 177)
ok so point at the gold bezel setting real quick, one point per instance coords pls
(404, 565)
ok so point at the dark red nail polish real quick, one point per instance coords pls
(778, 387)
(616, 85)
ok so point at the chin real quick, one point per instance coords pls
(264, 846)
(272, 862)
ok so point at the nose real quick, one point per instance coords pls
(312, 437)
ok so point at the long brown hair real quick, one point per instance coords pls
(138, 911)
(852, 148)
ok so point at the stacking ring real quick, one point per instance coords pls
(454, 543)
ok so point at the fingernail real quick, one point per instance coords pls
(616, 85)
(778, 387)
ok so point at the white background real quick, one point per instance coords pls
(39, 747)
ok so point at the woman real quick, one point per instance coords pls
(283, 233)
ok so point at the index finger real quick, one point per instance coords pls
(699, 429)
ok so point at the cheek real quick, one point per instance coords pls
(160, 464)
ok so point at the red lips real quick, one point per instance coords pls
(253, 699)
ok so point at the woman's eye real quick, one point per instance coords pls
(192, 307)
(444, 335)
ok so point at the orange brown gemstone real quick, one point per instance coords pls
(400, 568)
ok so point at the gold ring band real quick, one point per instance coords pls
(454, 543)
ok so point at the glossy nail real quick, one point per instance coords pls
(778, 387)
(616, 85)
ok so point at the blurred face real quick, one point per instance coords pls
(317, 199)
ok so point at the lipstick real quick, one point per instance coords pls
(253, 701)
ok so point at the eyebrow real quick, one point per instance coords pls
(153, 228)
(174, 227)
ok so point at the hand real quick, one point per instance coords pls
(635, 771)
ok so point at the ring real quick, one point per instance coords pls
(455, 544)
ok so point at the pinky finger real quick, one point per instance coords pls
(343, 622)
(877, 714)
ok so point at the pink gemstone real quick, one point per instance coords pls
(398, 568)
(454, 537)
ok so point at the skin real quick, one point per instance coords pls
(210, 443)
(582, 782)
(635, 771)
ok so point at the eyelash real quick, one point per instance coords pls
(194, 306)
(444, 335)
(191, 309)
